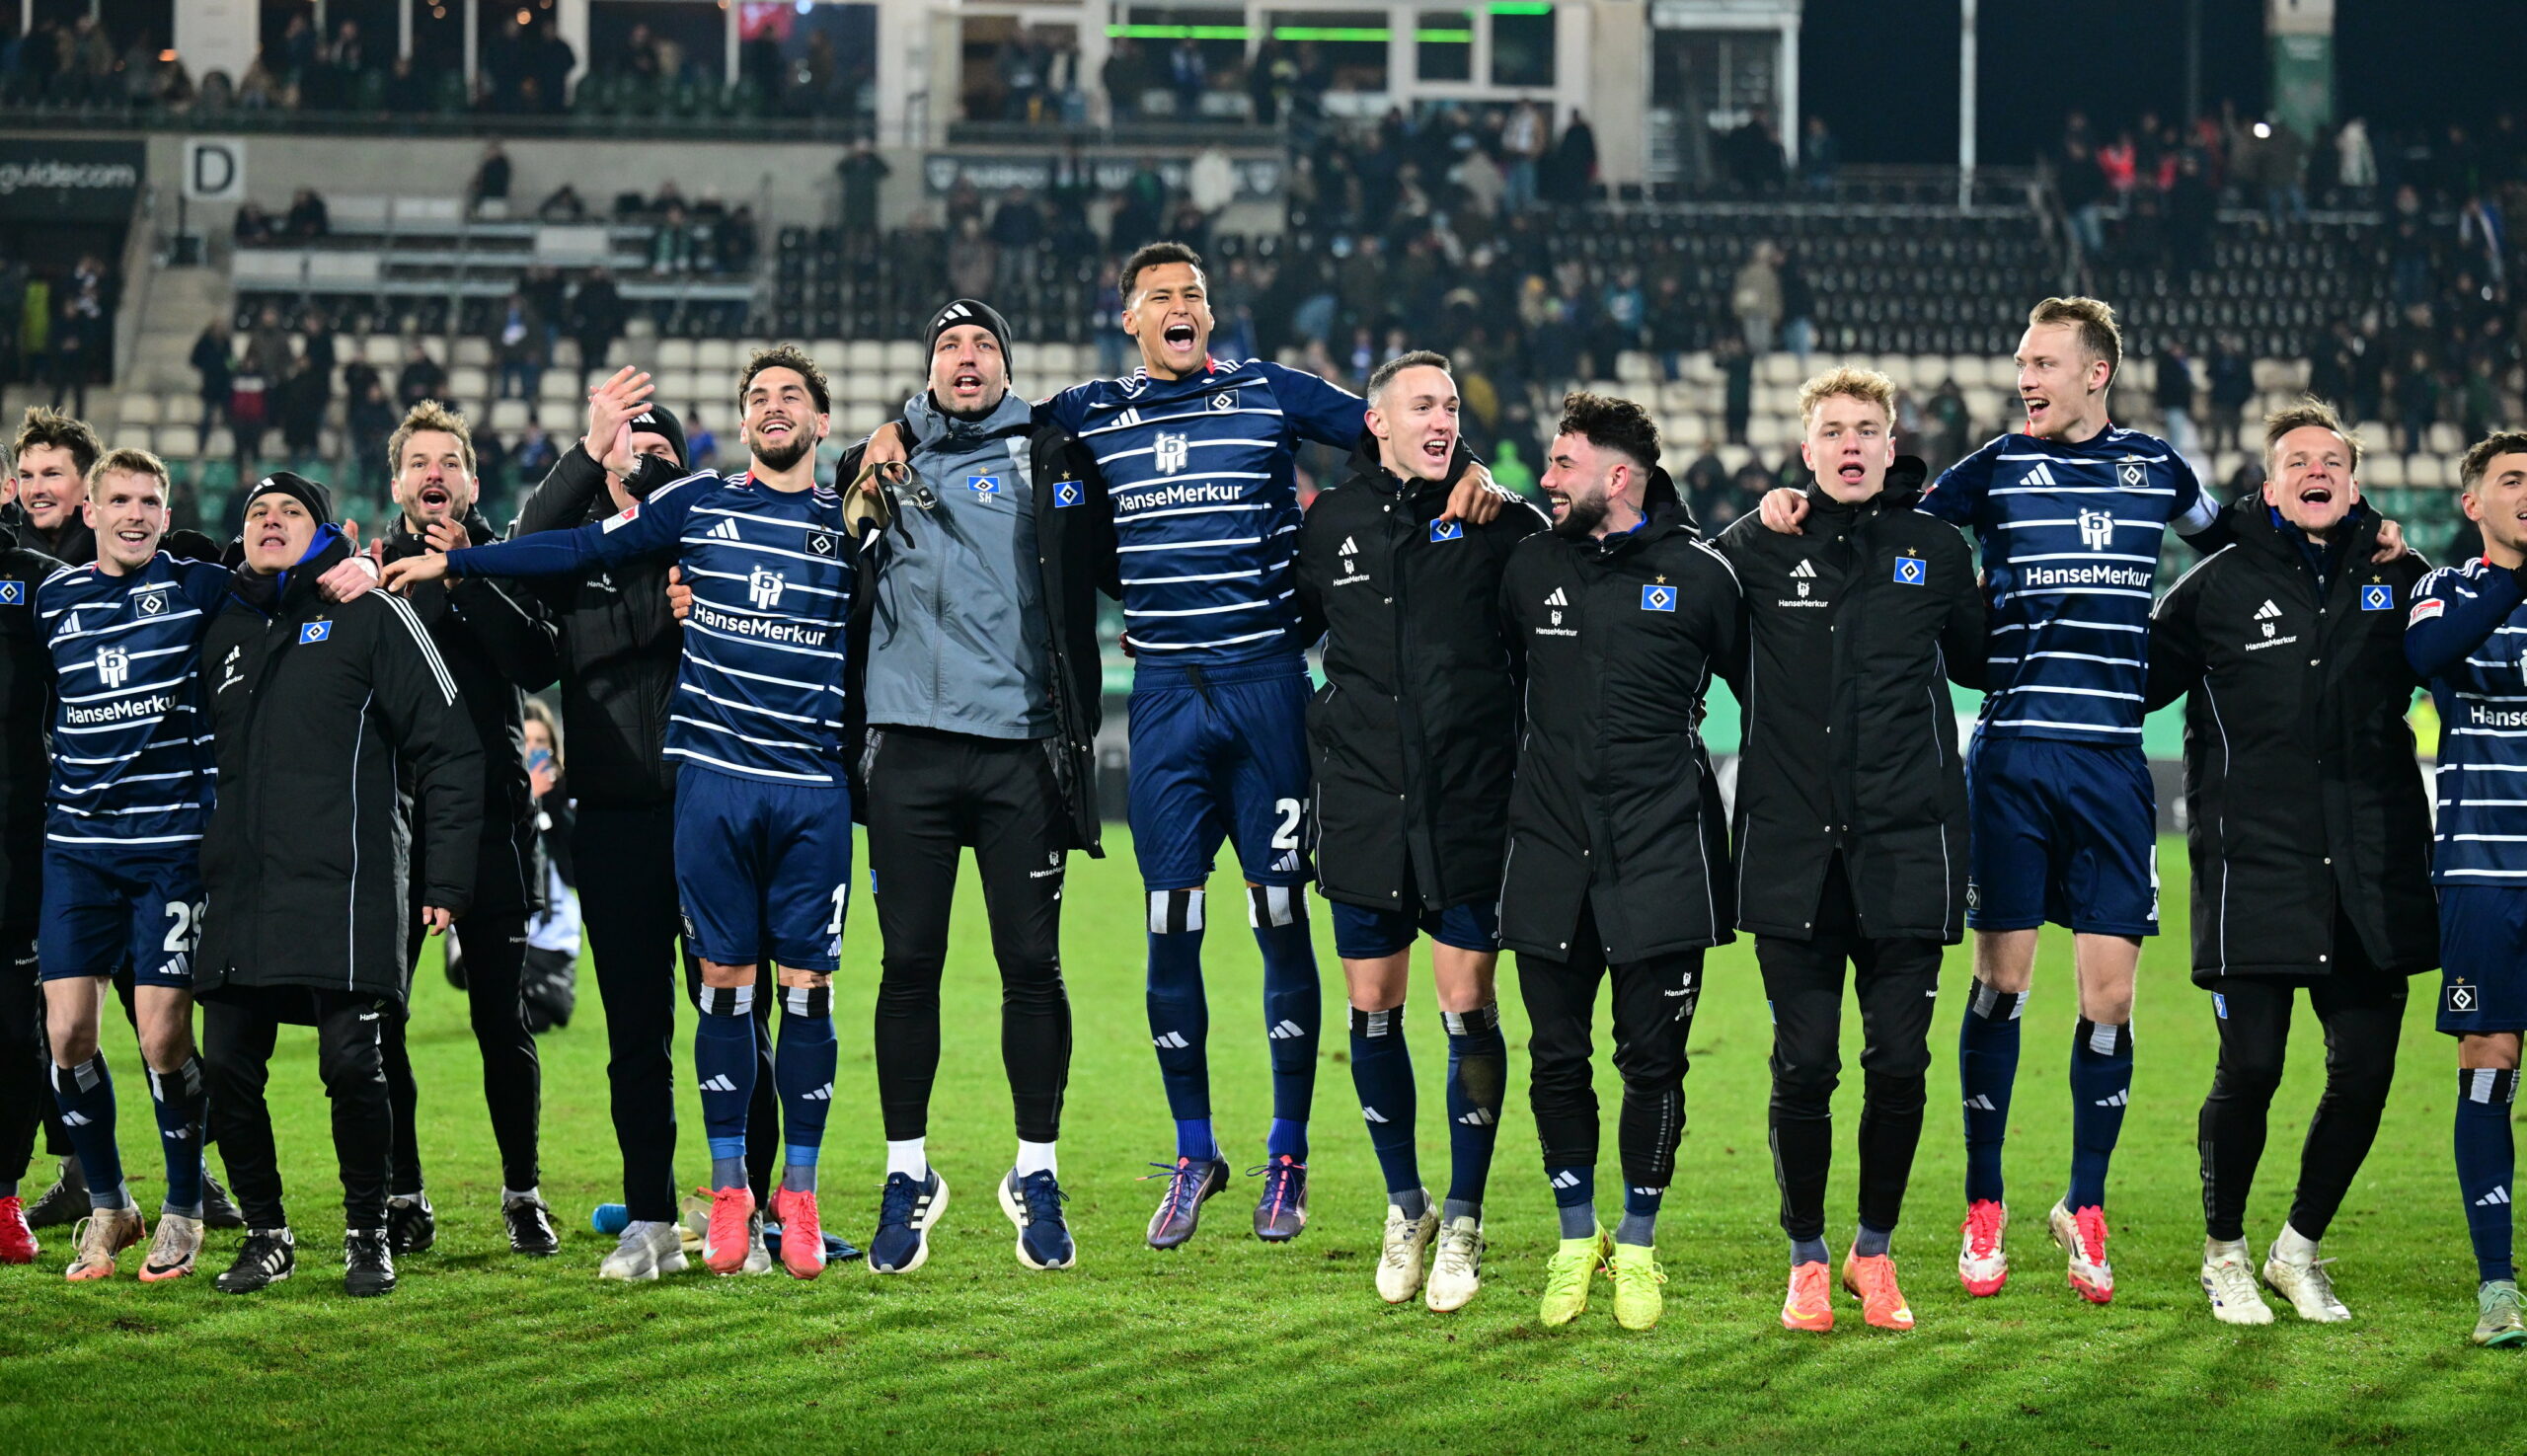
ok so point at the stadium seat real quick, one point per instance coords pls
(2445, 438)
(2429, 472)
(866, 355)
(673, 353)
(175, 445)
(474, 352)
(905, 356)
(559, 384)
(468, 382)
(381, 352)
(714, 356)
(2385, 471)
(182, 409)
(137, 408)
(508, 415)
(1779, 368)
(560, 419)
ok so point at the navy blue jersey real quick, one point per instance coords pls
(1205, 481)
(2070, 538)
(2467, 635)
(131, 760)
(760, 692)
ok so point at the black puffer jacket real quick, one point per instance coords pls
(1414, 736)
(2304, 804)
(314, 710)
(1615, 805)
(1855, 629)
(497, 640)
(620, 649)
(25, 764)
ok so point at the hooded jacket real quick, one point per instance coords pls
(314, 709)
(619, 648)
(496, 639)
(1615, 642)
(2305, 807)
(1855, 629)
(1074, 560)
(1414, 736)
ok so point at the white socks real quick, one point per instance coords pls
(1037, 1157)
(911, 1158)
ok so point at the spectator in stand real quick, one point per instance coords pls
(517, 343)
(2282, 162)
(2081, 186)
(1948, 423)
(596, 320)
(737, 240)
(859, 172)
(82, 335)
(488, 195)
(701, 447)
(535, 456)
(1755, 298)
(1524, 139)
(421, 379)
(1737, 366)
(639, 58)
(1574, 160)
(2193, 211)
(2173, 393)
(307, 219)
(1017, 227)
(1797, 308)
(2355, 164)
(672, 243)
(1819, 156)
(2120, 162)
(564, 206)
(254, 226)
(1480, 180)
(1671, 326)
(300, 404)
(1124, 77)
(2232, 388)
(549, 62)
(214, 360)
(1188, 76)
(370, 422)
(2416, 393)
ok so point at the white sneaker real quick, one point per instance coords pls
(2226, 1278)
(648, 1250)
(1400, 1253)
(1456, 1269)
(2295, 1272)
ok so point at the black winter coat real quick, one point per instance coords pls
(315, 709)
(1075, 551)
(1414, 736)
(496, 639)
(620, 649)
(1855, 629)
(2304, 804)
(1616, 808)
(25, 715)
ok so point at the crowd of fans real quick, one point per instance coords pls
(56, 325)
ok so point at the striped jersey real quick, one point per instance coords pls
(2467, 635)
(2070, 537)
(760, 690)
(131, 759)
(1203, 475)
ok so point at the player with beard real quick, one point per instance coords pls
(763, 799)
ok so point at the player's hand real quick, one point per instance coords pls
(446, 535)
(679, 594)
(436, 920)
(401, 575)
(886, 445)
(611, 405)
(1783, 509)
(2391, 542)
(1476, 498)
(348, 581)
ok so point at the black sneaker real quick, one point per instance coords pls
(64, 1203)
(267, 1258)
(368, 1266)
(411, 1225)
(531, 1227)
(218, 1211)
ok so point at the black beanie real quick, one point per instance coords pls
(658, 419)
(972, 311)
(318, 500)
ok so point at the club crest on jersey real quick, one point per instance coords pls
(13, 593)
(2377, 597)
(1168, 453)
(1067, 492)
(763, 588)
(2458, 998)
(1447, 530)
(1225, 401)
(2131, 472)
(315, 632)
(2097, 527)
(114, 666)
(1657, 598)
(151, 601)
(983, 484)
(1911, 570)
(820, 542)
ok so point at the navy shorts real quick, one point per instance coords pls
(2483, 959)
(763, 869)
(2065, 832)
(1361, 934)
(105, 904)
(1220, 753)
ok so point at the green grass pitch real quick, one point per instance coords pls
(1229, 1343)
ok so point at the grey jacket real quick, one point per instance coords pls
(958, 637)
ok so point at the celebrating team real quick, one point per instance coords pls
(1504, 752)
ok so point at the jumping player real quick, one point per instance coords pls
(763, 811)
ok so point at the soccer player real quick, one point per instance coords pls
(55, 455)
(338, 739)
(25, 768)
(763, 802)
(2069, 513)
(2310, 834)
(978, 646)
(496, 640)
(1199, 456)
(1415, 747)
(131, 788)
(1618, 854)
(2467, 633)
(1851, 815)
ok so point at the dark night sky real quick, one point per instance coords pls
(1883, 72)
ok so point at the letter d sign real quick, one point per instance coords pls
(214, 169)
